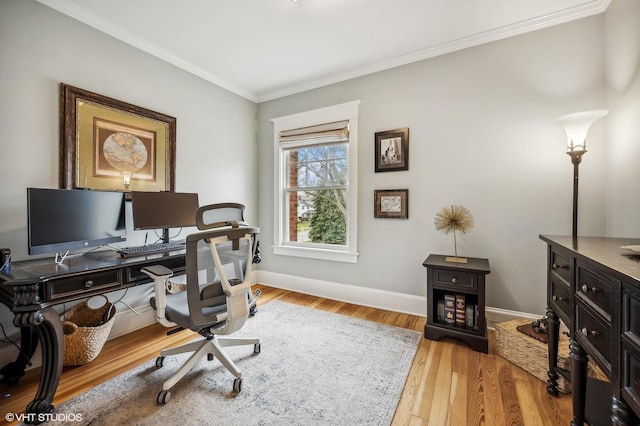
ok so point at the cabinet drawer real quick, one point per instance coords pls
(449, 279)
(596, 288)
(560, 298)
(630, 382)
(560, 265)
(595, 336)
(631, 313)
(94, 282)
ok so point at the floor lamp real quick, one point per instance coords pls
(576, 126)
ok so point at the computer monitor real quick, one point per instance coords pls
(67, 219)
(163, 210)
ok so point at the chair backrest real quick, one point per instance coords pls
(233, 262)
(220, 214)
(231, 249)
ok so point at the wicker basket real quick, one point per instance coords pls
(532, 355)
(85, 331)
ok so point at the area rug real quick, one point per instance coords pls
(315, 368)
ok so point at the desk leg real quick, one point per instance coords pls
(49, 329)
(579, 362)
(620, 413)
(553, 328)
(13, 371)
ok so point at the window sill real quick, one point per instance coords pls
(316, 253)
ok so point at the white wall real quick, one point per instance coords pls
(216, 150)
(480, 135)
(622, 43)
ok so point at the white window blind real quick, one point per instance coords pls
(322, 133)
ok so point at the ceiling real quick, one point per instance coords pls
(266, 49)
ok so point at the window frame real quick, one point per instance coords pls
(344, 253)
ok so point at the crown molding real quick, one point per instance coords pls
(570, 14)
(100, 24)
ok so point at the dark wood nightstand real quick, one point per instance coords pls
(456, 300)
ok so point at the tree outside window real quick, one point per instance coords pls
(318, 181)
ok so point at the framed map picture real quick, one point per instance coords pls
(108, 144)
(391, 203)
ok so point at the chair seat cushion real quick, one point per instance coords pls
(177, 310)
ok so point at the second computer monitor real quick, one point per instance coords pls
(163, 210)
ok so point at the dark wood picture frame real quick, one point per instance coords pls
(392, 150)
(104, 142)
(391, 203)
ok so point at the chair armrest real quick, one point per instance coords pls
(160, 275)
(157, 271)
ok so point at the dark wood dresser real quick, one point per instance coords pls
(593, 287)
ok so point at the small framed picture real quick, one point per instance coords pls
(391, 203)
(392, 150)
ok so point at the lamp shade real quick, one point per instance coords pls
(577, 125)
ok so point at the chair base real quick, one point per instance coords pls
(201, 348)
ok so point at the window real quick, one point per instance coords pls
(316, 183)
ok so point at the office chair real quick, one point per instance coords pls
(218, 298)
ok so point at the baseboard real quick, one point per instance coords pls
(127, 320)
(497, 315)
(374, 298)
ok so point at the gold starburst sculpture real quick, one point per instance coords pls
(452, 219)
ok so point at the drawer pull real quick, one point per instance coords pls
(586, 332)
(454, 280)
(556, 266)
(586, 289)
(557, 298)
(88, 283)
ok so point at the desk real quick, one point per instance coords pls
(593, 286)
(32, 287)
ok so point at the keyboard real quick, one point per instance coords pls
(150, 249)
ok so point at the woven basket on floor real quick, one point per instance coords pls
(532, 355)
(85, 331)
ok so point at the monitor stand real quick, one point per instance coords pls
(60, 257)
(165, 235)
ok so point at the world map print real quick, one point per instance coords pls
(125, 152)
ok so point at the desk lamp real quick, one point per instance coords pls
(576, 126)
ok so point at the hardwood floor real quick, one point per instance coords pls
(449, 384)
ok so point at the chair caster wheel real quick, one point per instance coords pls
(256, 348)
(159, 361)
(163, 397)
(237, 385)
